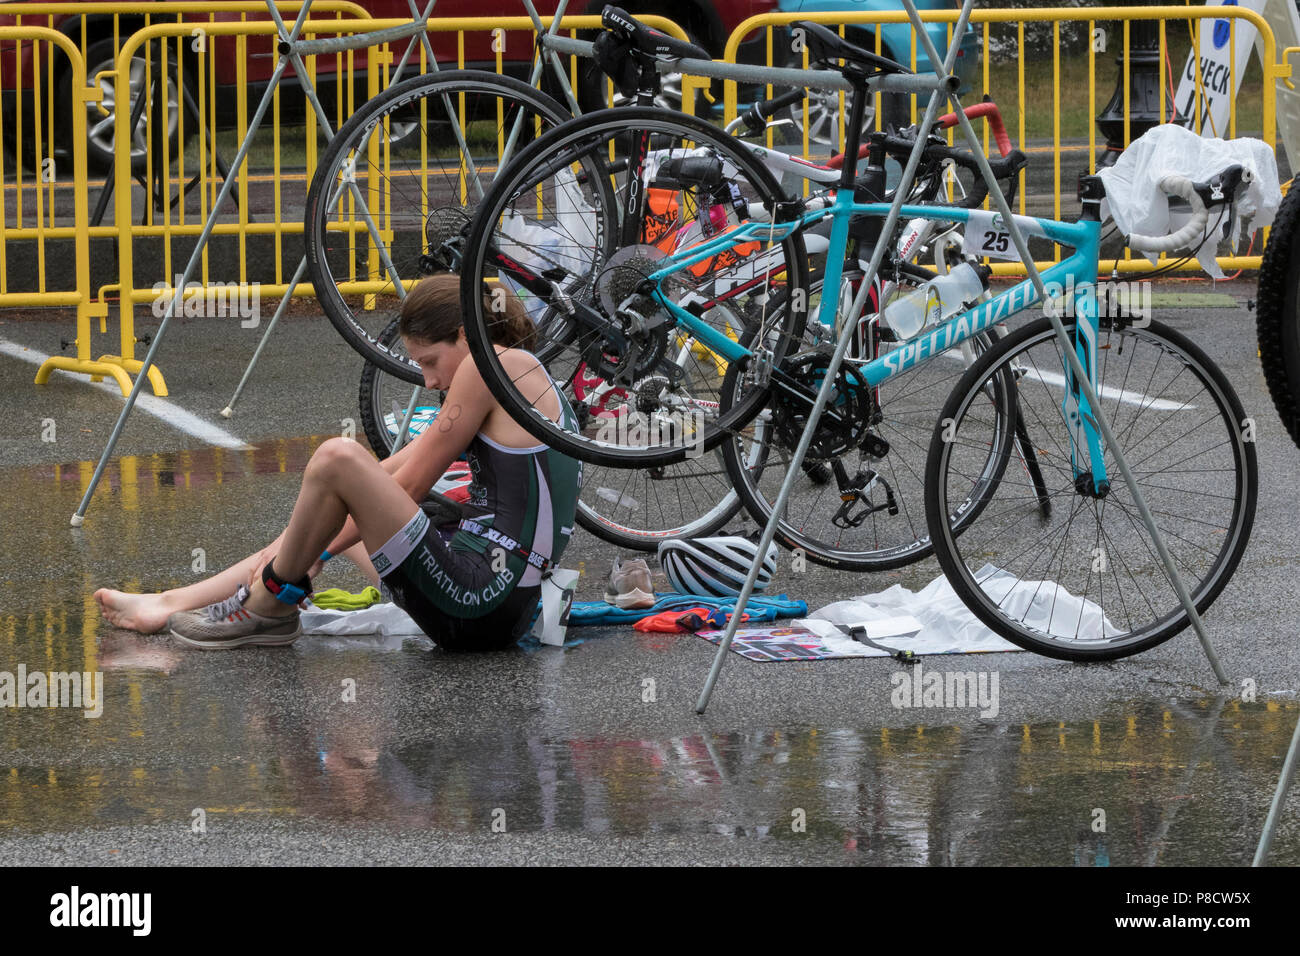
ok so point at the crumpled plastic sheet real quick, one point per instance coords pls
(947, 626)
(1136, 202)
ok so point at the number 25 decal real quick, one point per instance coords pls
(996, 241)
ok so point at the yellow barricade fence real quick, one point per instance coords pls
(176, 153)
(52, 108)
(1030, 97)
(210, 55)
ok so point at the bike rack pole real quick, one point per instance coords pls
(270, 327)
(227, 185)
(901, 192)
(1279, 797)
(995, 192)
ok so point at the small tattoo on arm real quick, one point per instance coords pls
(448, 418)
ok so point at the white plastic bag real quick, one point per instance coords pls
(1138, 205)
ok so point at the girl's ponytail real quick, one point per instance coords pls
(508, 321)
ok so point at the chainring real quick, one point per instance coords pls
(844, 423)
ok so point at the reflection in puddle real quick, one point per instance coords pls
(1153, 783)
(436, 742)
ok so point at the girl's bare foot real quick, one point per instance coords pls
(145, 613)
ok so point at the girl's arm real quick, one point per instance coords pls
(418, 465)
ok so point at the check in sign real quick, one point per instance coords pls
(1224, 49)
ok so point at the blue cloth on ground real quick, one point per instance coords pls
(760, 608)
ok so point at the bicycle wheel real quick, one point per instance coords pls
(630, 508)
(639, 507)
(882, 526)
(397, 184)
(1086, 582)
(661, 404)
(1277, 318)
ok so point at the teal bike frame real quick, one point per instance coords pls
(1077, 272)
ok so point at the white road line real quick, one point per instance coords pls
(1122, 395)
(159, 408)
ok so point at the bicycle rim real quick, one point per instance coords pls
(395, 189)
(1086, 582)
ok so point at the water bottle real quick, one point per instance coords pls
(933, 302)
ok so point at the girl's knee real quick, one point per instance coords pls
(335, 452)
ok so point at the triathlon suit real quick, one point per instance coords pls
(475, 586)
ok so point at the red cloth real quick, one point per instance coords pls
(674, 622)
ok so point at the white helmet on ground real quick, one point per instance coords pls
(714, 566)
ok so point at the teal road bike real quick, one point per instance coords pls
(1058, 562)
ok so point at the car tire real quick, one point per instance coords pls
(101, 55)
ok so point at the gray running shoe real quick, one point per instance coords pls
(629, 585)
(229, 624)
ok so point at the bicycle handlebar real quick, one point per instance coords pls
(1181, 186)
(1217, 190)
(989, 110)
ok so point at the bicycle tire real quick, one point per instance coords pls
(1277, 314)
(331, 256)
(1164, 374)
(585, 143)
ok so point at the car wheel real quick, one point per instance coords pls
(101, 56)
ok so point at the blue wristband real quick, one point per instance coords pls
(324, 556)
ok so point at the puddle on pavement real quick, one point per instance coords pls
(1179, 782)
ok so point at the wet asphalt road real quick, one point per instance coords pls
(561, 748)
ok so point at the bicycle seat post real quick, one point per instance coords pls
(853, 131)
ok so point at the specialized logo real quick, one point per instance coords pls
(959, 329)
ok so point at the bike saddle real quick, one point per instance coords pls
(827, 45)
(647, 39)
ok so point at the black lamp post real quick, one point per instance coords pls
(1144, 70)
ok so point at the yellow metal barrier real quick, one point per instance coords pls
(81, 90)
(984, 20)
(81, 292)
(184, 45)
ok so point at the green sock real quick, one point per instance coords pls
(336, 599)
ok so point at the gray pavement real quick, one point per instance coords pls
(561, 747)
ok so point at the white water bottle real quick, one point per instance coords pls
(933, 302)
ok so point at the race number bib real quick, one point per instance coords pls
(986, 236)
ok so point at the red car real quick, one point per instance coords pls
(708, 22)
